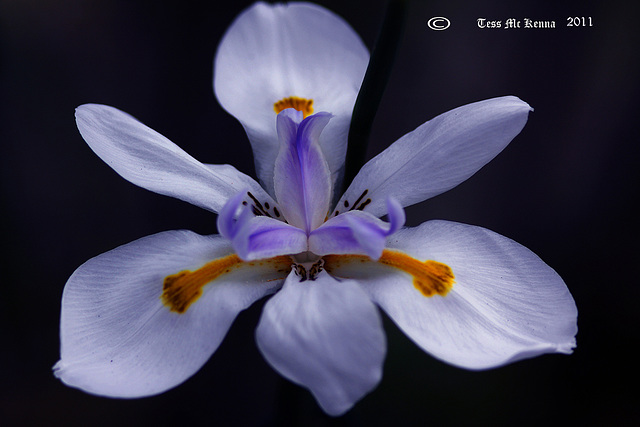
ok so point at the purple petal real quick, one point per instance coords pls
(287, 124)
(357, 232)
(302, 179)
(264, 237)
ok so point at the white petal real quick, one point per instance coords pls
(272, 52)
(439, 154)
(119, 339)
(324, 335)
(506, 304)
(146, 158)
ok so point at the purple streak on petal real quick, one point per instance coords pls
(302, 179)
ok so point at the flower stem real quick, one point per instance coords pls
(373, 86)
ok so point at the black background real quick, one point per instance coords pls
(565, 188)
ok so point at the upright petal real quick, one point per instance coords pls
(505, 304)
(325, 335)
(438, 155)
(146, 158)
(273, 52)
(130, 326)
(302, 178)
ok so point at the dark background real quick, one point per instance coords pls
(565, 188)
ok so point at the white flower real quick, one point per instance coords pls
(144, 317)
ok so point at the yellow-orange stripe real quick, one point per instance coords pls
(429, 277)
(182, 289)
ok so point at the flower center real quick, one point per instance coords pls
(301, 104)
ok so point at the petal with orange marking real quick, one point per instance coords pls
(505, 303)
(139, 319)
(278, 52)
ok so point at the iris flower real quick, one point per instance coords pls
(142, 318)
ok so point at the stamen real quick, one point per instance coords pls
(429, 277)
(300, 104)
(301, 272)
(306, 272)
(182, 289)
(315, 269)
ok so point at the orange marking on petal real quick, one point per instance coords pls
(182, 289)
(429, 277)
(300, 104)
